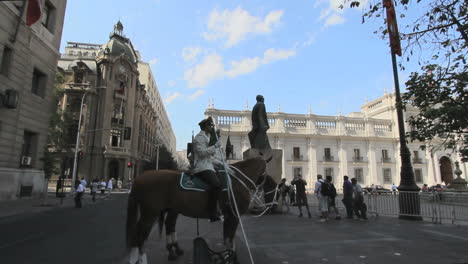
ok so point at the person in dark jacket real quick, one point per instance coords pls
(301, 196)
(348, 196)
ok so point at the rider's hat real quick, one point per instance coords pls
(206, 122)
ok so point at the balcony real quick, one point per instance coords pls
(358, 159)
(328, 158)
(297, 158)
(417, 161)
(386, 160)
(82, 85)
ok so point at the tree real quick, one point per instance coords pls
(59, 122)
(166, 161)
(438, 39)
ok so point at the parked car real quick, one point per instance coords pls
(376, 189)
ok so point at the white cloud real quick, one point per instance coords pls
(243, 67)
(235, 25)
(334, 19)
(154, 61)
(196, 94)
(171, 83)
(171, 97)
(311, 37)
(212, 67)
(190, 53)
(272, 55)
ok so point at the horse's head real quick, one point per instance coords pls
(253, 168)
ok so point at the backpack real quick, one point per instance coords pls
(325, 189)
(333, 190)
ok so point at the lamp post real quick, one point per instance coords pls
(409, 198)
(77, 144)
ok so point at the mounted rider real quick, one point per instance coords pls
(203, 159)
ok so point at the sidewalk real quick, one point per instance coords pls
(29, 205)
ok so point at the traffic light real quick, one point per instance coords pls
(129, 164)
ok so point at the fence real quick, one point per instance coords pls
(437, 207)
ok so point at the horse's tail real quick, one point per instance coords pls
(161, 218)
(132, 217)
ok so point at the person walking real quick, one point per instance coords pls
(301, 196)
(84, 183)
(348, 197)
(358, 200)
(79, 193)
(94, 189)
(331, 198)
(110, 185)
(103, 186)
(394, 188)
(321, 191)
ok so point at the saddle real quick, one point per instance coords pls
(189, 182)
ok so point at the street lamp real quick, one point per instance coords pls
(409, 197)
(77, 144)
(157, 155)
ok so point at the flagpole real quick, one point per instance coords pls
(23, 8)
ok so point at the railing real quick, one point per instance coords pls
(297, 158)
(358, 159)
(437, 207)
(328, 158)
(388, 160)
(417, 161)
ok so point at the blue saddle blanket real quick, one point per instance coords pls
(193, 183)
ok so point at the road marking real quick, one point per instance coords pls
(444, 234)
(21, 240)
(318, 243)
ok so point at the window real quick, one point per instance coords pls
(387, 175)
(47, 18)
(328, 172)
(359, 174)
(75, 105)
(296, 153)
(28, 148)
(357, 155)
(39, 81)
(297, 171)
(418, 175)
(385, 157)
(116, 138)
(416, 158)
(72, 133)
(6, 61)
(328, 156)
(79, 76)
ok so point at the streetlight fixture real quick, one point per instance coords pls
(77, 144)
(409, 198)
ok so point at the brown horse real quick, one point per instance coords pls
(157, 195)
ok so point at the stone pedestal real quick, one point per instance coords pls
(459, 184)
(274, 166)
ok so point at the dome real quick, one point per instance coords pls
(69, 65)
(119, 44)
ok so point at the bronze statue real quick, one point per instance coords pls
(258, 135)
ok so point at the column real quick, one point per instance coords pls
(373, 176)
(312, 153)
(283, 161)
(343, 156)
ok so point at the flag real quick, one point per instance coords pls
(34, 12)
(392, 27)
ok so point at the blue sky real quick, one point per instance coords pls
(296, 53)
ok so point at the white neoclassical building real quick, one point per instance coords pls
(362, 144)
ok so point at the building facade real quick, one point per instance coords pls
(28, 63)
(119, 127)
(364, 145)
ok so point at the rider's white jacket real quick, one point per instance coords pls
(203, 155)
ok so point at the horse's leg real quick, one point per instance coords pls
(145, 224)
(171, 235)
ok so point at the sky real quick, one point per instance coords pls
(300, 55)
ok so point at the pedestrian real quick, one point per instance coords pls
(292, 195)
(110, 185)
(103, 186)
(301, 196)
(119, 184)
(425, 188)
(321, 191)
(331, 198)
(348, 197)
(94, 189)
(360, 208)
(394, 188)
(84, 183)
(79, 189)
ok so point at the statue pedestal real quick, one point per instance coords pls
(275, 166)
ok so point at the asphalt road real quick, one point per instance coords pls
(95, 234)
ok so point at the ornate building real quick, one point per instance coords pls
(119, 130)
(363, 145)
(28, 63)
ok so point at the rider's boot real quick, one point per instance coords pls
(214, 205)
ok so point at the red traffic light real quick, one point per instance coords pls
(129, 164)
